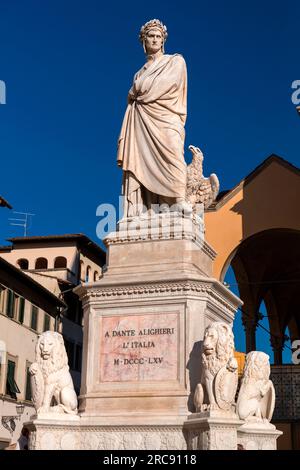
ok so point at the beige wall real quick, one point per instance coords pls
(27, 316)
(31, 252)
(94, 269)
(8, 408)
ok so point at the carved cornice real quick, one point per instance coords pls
(81, 426)
(209, 250)
(161, 289)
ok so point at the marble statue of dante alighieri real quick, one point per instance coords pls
(151, 143)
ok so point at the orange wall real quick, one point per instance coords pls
(270, 200)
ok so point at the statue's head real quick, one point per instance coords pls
(46, 345)
(257, 365)
(50, 348)
(153, 36)
(218, 340)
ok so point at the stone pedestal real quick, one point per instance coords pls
(258, 436)
(54, 433)
(212, 430)
(90, 435)
(143, 326)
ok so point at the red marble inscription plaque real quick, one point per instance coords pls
(139, 347)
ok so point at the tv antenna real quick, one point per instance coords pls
(24, 221)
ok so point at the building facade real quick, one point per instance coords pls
(55, 265)
(26, 310)
(60, 263)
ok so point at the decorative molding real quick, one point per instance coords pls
(211, 436)
(160, 289)
(259, 441)
(88, 437)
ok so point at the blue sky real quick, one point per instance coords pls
(68, 66)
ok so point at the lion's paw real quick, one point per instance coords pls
(212, 406)
(43, 409)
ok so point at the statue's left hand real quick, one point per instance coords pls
(130, 97)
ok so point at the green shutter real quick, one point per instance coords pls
(11, 386)
(21, 309)
(34, 317)
(46, 322)
(28, 385)
(10, 303)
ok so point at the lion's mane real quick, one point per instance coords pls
(58, 359)
(224, 348)
(257, 366)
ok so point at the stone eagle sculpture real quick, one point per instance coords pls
(200, 190)
(51, 380)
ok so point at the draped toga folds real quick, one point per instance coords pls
(151, 143)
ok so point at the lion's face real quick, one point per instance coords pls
(50, 351)
(210, 341)
(218, 346)
(47, 344)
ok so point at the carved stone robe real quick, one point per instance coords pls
(151, 143)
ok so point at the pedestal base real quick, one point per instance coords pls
(212, 430)
(91, 435)
(257, 436)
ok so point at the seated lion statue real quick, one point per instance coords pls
(51, 380)
(256, 398)
(219, 377)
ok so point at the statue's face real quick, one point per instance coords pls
(153, 41)
(46, 347)
(262, 368)
(210, 341)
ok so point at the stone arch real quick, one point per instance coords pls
(267, 268)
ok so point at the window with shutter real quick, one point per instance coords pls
(10, 303)
(34, 317)
(21, 309)
(46, 322)
(11, 387)
(28, 385)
